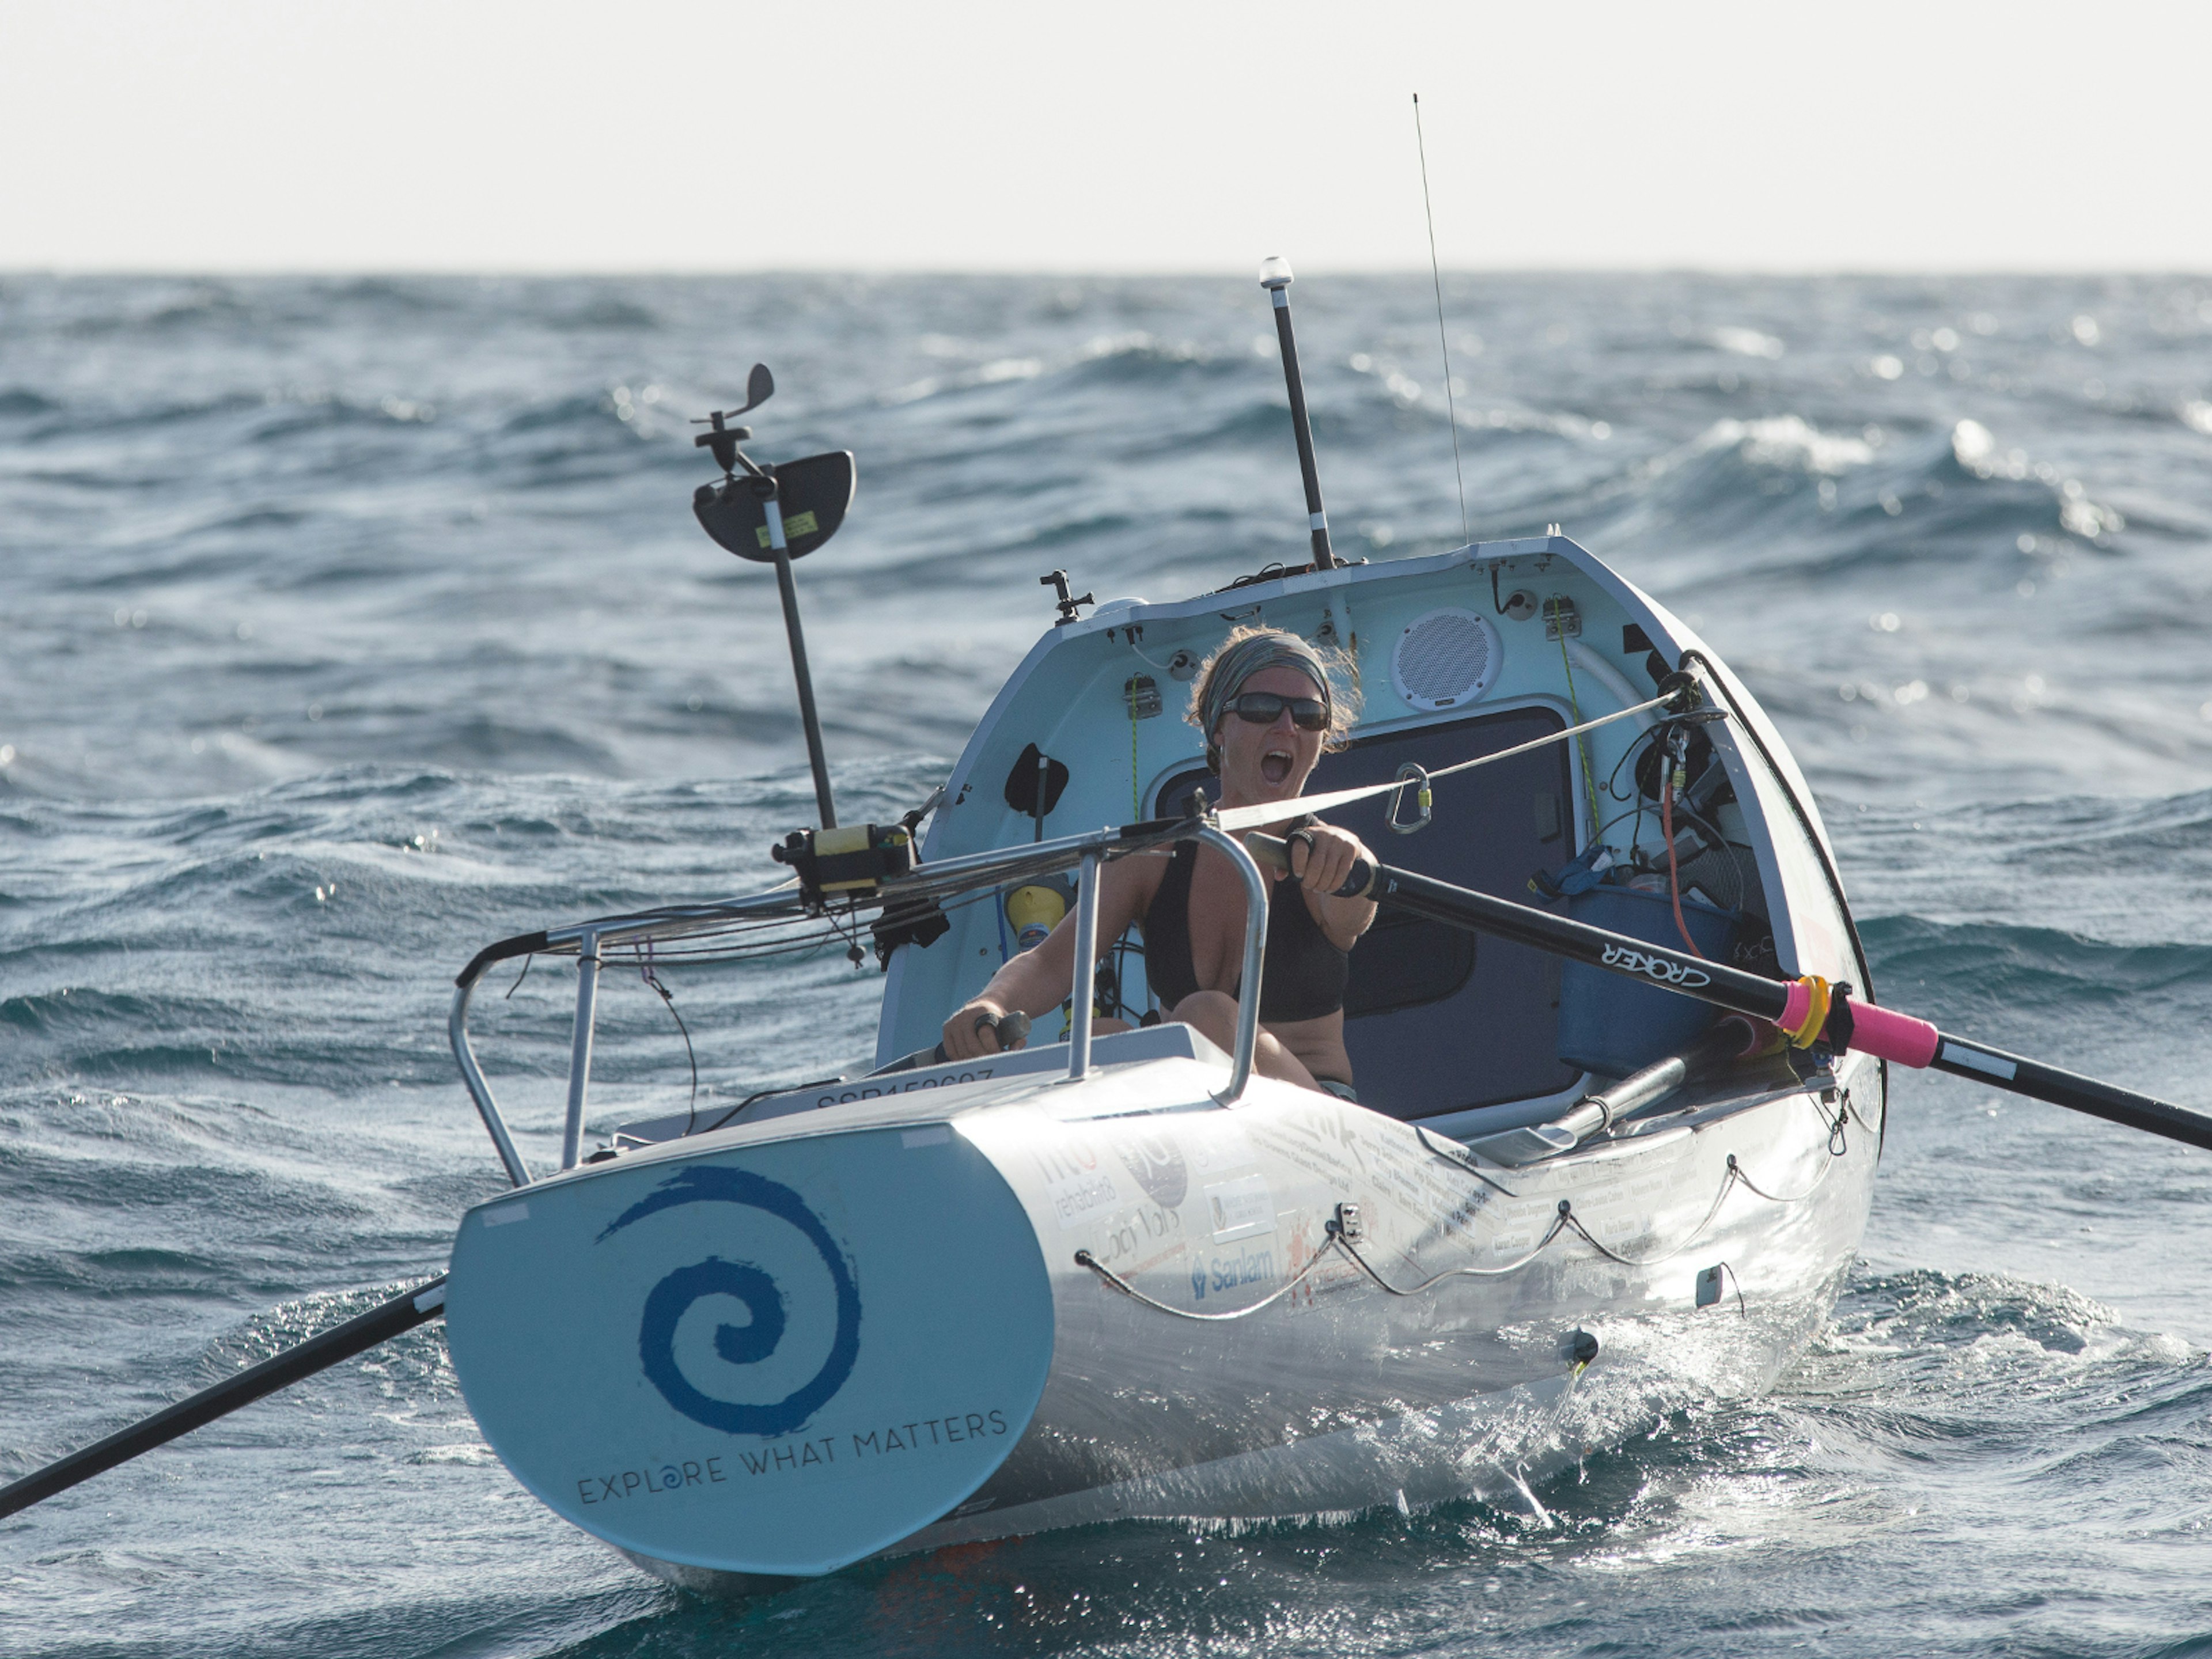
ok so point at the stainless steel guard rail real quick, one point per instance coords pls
(589, 940)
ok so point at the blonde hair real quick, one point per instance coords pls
(1339, 668)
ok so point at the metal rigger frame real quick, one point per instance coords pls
(701, 925)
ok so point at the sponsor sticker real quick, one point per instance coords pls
(1240, 1208)
(1076, 1183)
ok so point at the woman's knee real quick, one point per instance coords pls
(1214, 1012)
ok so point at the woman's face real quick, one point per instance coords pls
(1272, 761)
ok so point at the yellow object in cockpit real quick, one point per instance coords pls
(1034, 912)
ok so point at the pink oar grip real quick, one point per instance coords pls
(1888, 1036)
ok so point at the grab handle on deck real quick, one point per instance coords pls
(580, 1047)
(1595, 1113)
(1085, 989)
(457, 1032)
(1256, 955)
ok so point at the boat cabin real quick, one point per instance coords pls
(1461, 654)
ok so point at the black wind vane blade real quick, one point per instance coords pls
(1807, 1009)
(760, 386)
(280, 1371)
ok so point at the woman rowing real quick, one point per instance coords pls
(1267, 705)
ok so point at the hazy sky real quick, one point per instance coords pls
(670, 135)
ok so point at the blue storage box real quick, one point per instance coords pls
(1609, 1023)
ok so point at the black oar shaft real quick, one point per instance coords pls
(1872, 1030)
(1710, 981)
(809, 721)
(2032, 1078)
(379, 1324)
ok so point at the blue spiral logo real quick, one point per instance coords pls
(740, 1345)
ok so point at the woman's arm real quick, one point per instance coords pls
(1039, 980)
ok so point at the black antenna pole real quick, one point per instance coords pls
(1275, 276)
(789, 591)
(1436, 275)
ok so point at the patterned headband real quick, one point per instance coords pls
(1272, 649)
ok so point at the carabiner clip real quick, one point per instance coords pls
(1407, 773)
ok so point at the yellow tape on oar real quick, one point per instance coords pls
(1805, 1014)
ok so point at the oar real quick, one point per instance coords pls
(1808, 1009)
(404, 1312)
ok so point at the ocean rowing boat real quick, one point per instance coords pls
(1121, 1275)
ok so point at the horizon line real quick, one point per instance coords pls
(1060, 273)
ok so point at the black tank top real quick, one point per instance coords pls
(1304, 973)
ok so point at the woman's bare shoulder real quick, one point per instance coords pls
(1130, 883)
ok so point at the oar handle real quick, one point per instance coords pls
(1274, 852)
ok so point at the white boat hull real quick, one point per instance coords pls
(1096, 1405)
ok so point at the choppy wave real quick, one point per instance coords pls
(2036, 970)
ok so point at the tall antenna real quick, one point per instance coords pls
(1435, 274)
(1275, 278)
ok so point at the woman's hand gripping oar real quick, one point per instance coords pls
(1809, 1010)
(280, 1371)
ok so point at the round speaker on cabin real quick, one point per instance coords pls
(1445, 658)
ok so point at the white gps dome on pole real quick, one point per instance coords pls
(1275, 276)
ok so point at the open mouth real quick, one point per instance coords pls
(1275, 765)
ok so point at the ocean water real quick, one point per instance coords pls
(347, 625)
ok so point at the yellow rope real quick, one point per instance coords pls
(1136, 795)
(1589, 776)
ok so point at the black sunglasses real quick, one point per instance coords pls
(1264, 708)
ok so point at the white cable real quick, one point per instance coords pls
(1250, 817)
